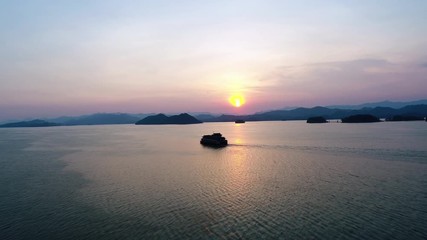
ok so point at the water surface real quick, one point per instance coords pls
(276, 180)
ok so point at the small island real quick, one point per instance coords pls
(161, 119)
(33, 123)
(318, 119)
(360, 118)
(239, 121)
(399, 118)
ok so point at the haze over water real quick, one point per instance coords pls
(277, 180)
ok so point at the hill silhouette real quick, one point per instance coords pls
(327, 113)
(360, 118)
(159, 119)
(318, 119)
(390, 104)
(399, 118)
(417, 111)
(102, 119)
(33, 123)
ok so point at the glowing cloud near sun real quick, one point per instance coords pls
(237, 100)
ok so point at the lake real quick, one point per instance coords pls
(276, 180)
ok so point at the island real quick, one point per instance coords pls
(318, 119)
(161, 119)
(33, 123)
(399, 118)
(360, 118)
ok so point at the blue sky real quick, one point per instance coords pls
(76, 57)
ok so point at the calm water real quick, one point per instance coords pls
(277, 180)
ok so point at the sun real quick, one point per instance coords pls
(237, 100)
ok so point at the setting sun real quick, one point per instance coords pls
(237, 100)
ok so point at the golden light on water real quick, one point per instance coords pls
(237, 100)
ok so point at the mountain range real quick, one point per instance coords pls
(390, 104)
(385, 109)
(32, 123)
(328, 113)
(99, 119)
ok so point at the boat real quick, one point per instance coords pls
(239, 121)
(215, 140)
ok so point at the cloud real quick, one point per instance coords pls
(357, 80)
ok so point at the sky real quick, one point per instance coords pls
(79, 57)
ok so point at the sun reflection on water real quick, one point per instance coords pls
(238, 134)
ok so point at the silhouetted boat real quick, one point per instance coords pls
(239, 121)
(214, 140)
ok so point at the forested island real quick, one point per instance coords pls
(161, 119)
(360, 118)
(316, 120)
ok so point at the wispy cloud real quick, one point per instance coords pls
(346, 81)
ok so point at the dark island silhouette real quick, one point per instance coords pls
(33, 123)
(328, 113)
(400, 118)
(418, 111)
(318, 119)
(360, 118)
(161, 119)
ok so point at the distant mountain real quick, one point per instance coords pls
(61, 120)
(183, 118)
(102, 119)
(33, 123)
(203, 117)
(385, 109)
(328, 113)
(380, 104)
(277, 115)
